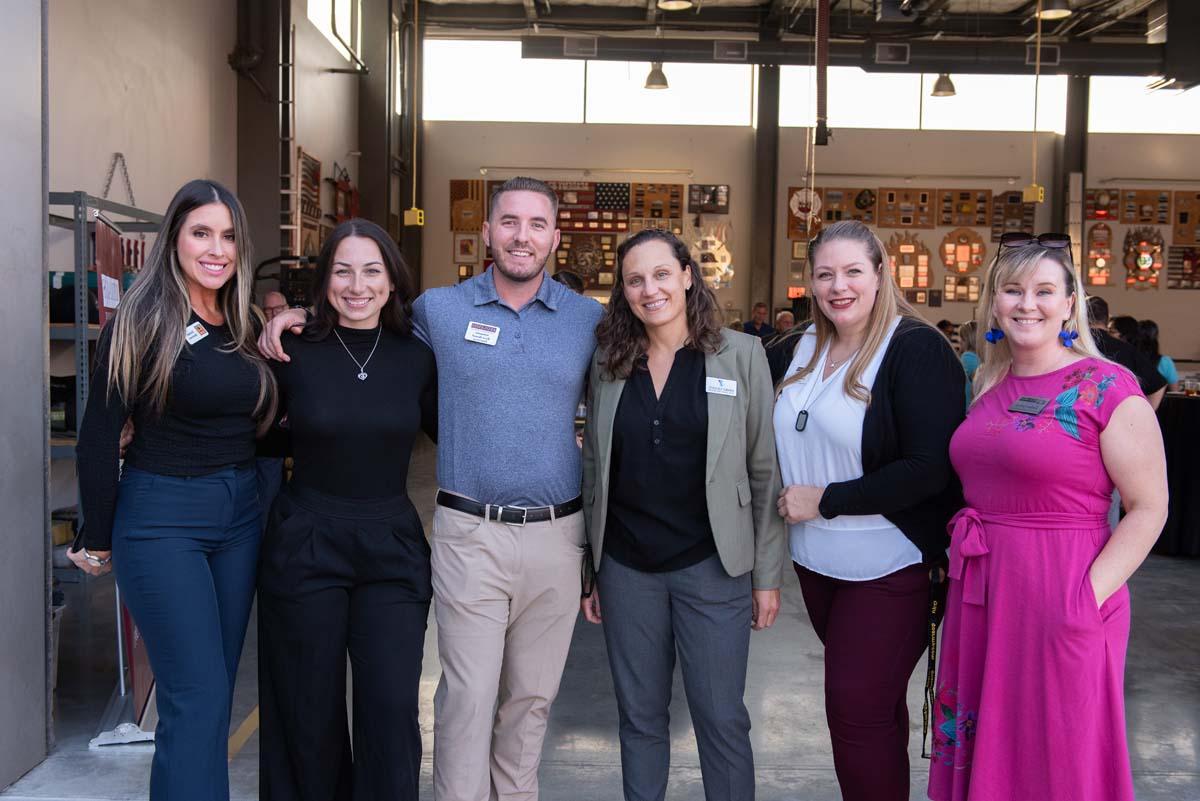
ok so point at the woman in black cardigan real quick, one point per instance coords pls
(862, 427)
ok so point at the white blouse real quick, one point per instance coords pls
(829, 450)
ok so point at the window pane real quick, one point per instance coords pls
(488, 80)
(1123, 105)
(995, 103)
(857, 99)
(699, 94)
(318, 15)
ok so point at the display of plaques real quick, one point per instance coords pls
(1101, 204)
(1143, 258)
(708, 198)
(1186, 228)
(592, 256)
(965, 207)
(466, 205)
(1011, 213)
(904, 207)
(804, 213)
(962, 289)
(909, 260)
(656, 201)
(596, 208)
(847, 204)
(672, 224)
(1099, 259)
(1183, 267)
(963, 251)
(1145, 207)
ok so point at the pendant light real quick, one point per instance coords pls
(657, 79)
(1054, 9)
(674, 5)
(943, 86)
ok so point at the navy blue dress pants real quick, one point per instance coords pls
(185, 554)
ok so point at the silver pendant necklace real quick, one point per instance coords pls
(362, 366)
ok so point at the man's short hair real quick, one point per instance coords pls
(523, 184)
(781, 313)
(1097, 310)
(759, 305)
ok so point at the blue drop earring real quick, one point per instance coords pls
(993, 335)
(1067, 337)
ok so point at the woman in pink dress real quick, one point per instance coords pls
(1030, 687)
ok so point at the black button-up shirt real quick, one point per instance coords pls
(658, 513)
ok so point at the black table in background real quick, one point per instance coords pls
(1179, 417)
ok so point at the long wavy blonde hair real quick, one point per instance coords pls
(1014, 264)
(148, 332)
(889, 302)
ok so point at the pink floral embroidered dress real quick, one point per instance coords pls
(1030, 696)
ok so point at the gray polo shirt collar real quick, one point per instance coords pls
(548, 292)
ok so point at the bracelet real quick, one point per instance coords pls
(95, 561)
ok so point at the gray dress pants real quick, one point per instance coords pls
(704, 615)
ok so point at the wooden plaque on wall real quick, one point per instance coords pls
(803, 213)
(466, 205)
(841, 203)
(591, 256)
(656, 201)
(909, 258)
(965, 207)
(1144, 257)
(1183, 267)
(1011, 213)
(1099, 258)
(1145, 207)
(963, 251)
(905, 207)
(1186, 228)
(1102, 204)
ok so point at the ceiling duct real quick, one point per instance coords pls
(896, 11)
(1051, 55)
(1182, 61)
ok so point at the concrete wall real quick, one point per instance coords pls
(23, 433)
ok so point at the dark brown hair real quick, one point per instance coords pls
(621, 336)
(522, 183)
(396, 315)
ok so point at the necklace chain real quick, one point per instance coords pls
(362, 366)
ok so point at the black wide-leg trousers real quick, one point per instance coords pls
(341, 577)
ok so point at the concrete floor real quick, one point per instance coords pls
(581, 760)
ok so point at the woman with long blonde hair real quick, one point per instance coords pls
(180, 522)
(1030, 685)
(862, 426)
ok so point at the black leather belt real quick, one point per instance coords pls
(513, 515)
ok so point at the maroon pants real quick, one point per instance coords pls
(874, 634)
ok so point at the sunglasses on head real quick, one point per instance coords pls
(1015, 239)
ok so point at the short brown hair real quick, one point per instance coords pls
(523, 184)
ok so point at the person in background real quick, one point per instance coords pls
(1126, 354)
(1147, 343)
(758, 325)
(345, 567)
(968, 332)
(784, 321)
(181, 520)
(273, 303)
(782, 345)
(682, 413)
(862, 425)
(1124, 328)
(1038, 612)
(950, 331)
(570, 280)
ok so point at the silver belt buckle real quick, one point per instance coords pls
(524, 515)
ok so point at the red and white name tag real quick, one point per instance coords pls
(194, 333)
(482, 333)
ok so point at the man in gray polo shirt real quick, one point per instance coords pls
(512, 349)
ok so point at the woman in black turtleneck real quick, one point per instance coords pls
(345, 564)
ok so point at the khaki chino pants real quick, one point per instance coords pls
(505, 599)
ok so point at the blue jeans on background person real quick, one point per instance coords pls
(185, 555)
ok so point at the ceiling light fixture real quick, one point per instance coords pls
(674, 5)
(943, 86)
(1054, 9)
(656, 79)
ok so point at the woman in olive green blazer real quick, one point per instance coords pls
(680, 483)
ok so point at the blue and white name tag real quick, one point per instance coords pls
(720, 386)
(482, 333)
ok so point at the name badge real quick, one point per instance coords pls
(720, 386)
(1027, 404)
(482, 333)
(194, 333)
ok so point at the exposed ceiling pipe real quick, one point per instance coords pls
(821, 135)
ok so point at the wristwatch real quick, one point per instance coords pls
(94, 560)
